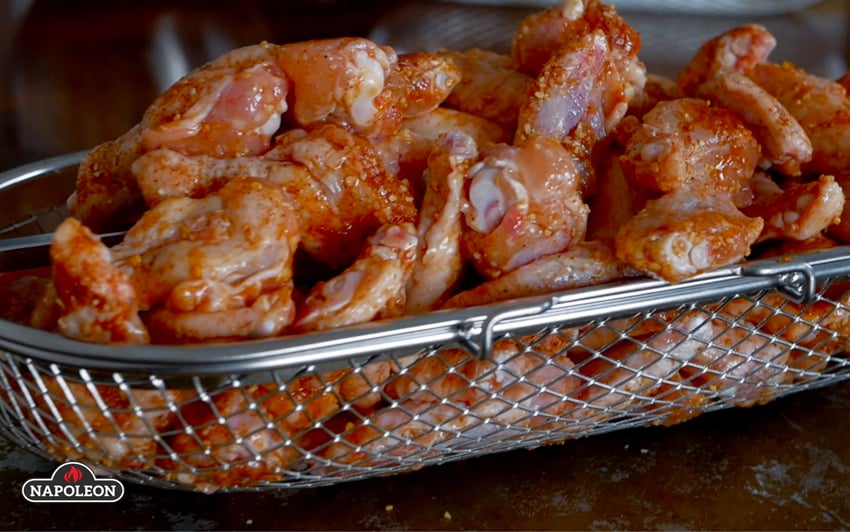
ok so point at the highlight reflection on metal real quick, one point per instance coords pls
(394, 396)
(168, 59)
(175, 51)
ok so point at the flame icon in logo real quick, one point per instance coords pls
(73, 475)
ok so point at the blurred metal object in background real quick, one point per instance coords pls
(703, 7)
(669, 38)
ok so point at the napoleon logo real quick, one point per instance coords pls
(73, 482)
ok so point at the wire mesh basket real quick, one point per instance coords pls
(394, 396)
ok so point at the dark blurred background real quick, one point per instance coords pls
(78, 73)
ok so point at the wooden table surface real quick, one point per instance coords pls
(77, 73)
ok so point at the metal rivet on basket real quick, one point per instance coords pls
(796, 281)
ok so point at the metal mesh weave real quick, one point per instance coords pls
(443, 403)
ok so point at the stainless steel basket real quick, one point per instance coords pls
(394, 396)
